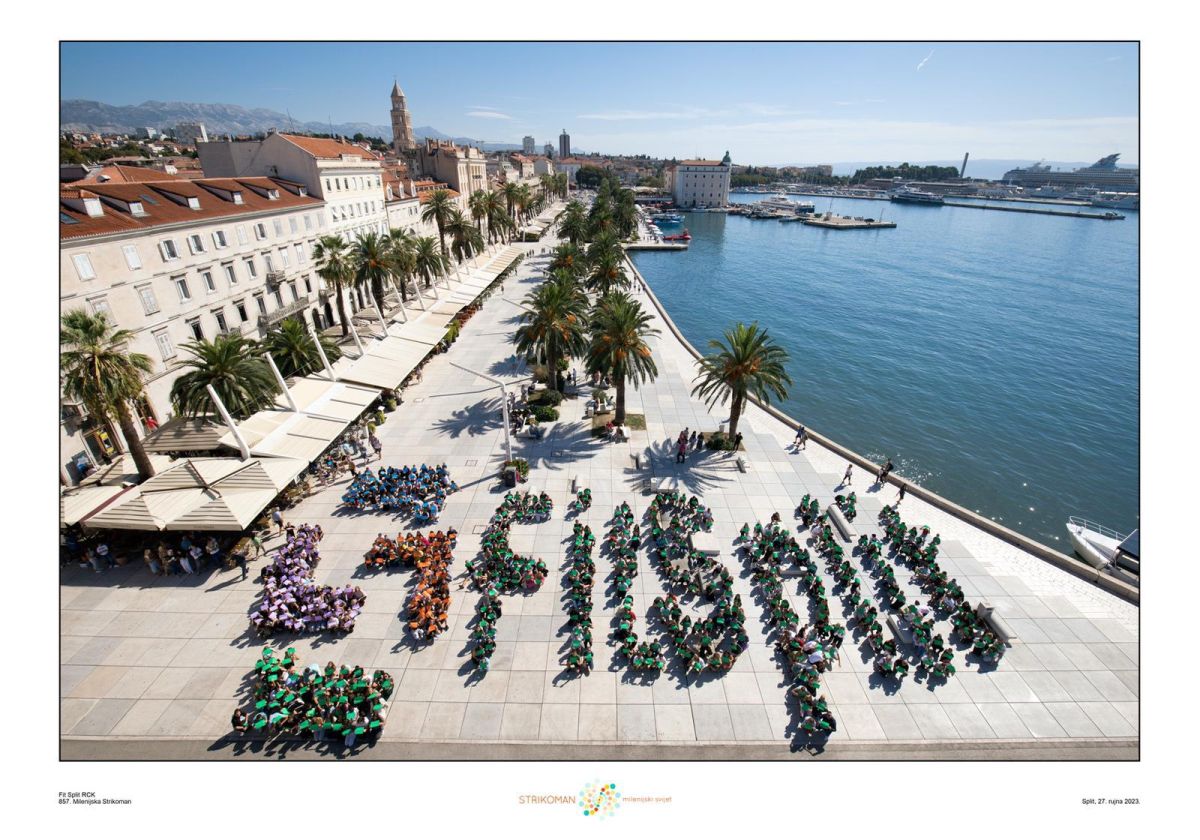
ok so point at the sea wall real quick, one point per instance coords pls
(1042, 552)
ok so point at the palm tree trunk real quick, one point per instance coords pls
(129, 431)
(619, 420)
(341, 308)
(377, 291)
(735, 414)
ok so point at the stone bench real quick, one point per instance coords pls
(987, 613)
(899, 630)
(637, 460)
(704, 543)
(741, 463)
(841, 523)
(574, 484)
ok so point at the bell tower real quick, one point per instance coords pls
(402, 136)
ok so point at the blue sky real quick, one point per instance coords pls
(766, 103)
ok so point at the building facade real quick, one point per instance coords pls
(528, 144)
(700, 182)
(464, 168)
(175, 261)
(564, 144)
(191, 133)
(347, 177)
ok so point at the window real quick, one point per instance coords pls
(307, 222)
(182, 287)
(196, 243)
(279, 296)
(293, 226)
(240, 306)
(165, 348)
(241, 234)
(149, 301)
(283, 256)
(132, 258)
(295, 293)
(219, 314)
(301, 254)
(307, 284)
(260, 231)
(99, 306)
(251, 268)
(262, 304)
(219, 239)
(197, 330)
(278, 225)
(210, 283)
(83, 266)
(230, 274)
(270, 263)
(168, 250)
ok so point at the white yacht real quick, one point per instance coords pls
(1107, 550)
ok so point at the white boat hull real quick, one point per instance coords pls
(1095, 548)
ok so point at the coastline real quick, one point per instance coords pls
(1062, 561)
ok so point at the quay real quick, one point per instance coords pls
(1110, 216)
(845, 222)
(656, 246)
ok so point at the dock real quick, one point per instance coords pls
(1110, 216)
(656, 246)
(828, 220)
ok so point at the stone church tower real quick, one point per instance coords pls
(402, 135)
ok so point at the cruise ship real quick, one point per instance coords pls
(1104, 174)
(910, 195)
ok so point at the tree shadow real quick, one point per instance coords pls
(475, 420)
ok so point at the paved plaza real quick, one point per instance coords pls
(169, 658)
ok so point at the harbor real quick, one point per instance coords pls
(1107, 216)
(846, 222)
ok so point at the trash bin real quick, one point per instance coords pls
(510, 476)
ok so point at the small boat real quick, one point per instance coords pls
(1107, 550)
(699, 208)
(678, 237)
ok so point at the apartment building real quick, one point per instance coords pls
(180, 260)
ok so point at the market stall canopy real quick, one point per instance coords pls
(204, 494)
(124, 471)
(187, 434)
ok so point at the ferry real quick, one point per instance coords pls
(1106, 550)
(911, 195)
(670, 218)
(1120, 201)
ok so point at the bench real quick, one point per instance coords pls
(741, 463)
(704, 543)
(987, 613)
(900, 631)
(637, 460)
(574, 484)
(841, 523)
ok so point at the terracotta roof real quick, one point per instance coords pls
(118, 174)
(425, 195)
(700, 163)
(161, 209)
(326, 149)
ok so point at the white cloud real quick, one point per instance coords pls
(925, 59)
(489, 115)
(682, 114)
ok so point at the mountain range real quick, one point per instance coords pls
(220, 119)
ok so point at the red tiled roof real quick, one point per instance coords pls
(320, 147)
(700, 163)
(424, 195)
(118, 174)
(165, 211)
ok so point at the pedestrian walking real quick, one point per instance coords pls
(903, 490)
(681, 452)
(692, 441)
(256, 541)
(377, 445)
(277, 518)
(239, 557)
(737, 442)
(846, 478)
(801, 438)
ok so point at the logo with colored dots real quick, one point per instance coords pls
(599, 799)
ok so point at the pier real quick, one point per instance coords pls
(1110, 216)
(845, 222)
(656, 246)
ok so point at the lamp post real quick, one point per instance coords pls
(503, 403)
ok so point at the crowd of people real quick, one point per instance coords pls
(293, 602)
(185, 553)
(428, 605)
(417, 491)
(622, 542)
(408, 550)
(848, 505)
(483, 634)
(580, 577)
(583, 501)
(326, 704)
(500, 567)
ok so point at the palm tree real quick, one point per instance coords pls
(465, 238)
(334, 265)
(294, 352)
(478, 205)
(99, 371)
(524, 201)
(372, 260)
(747, 363)
(428, 261)
(553, 327)
(497, 217)
(574, 224)
(231, 364)
(607, 274)
(625, 213)
(438, 209)
(510, 191)
(569, 258)
(618, 344)
(401, 258)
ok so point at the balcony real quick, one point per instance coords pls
(274, 278)
(298, 305)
